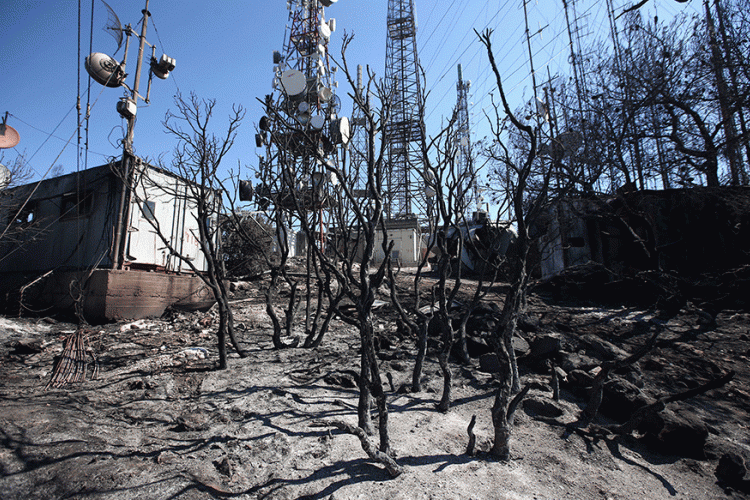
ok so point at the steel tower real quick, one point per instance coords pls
(357, 147)
(469, 192)
(302, 131)
(404, 133)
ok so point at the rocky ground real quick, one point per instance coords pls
(158, 422)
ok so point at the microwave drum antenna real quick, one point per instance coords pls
(104, 69)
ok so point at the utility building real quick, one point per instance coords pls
(60, 245)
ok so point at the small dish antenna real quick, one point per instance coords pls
(4, 176)
(334, 105)
(325, 31)
(325, 94)
(163, 66)
(9, 137)
(317, 121)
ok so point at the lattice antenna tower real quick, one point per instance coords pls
(404, 133)
(468, 185)
(302, 130)
(359, 141)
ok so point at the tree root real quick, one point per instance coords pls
(393, 468)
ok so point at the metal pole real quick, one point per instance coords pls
(127, 156)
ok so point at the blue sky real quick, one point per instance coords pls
(223, 51)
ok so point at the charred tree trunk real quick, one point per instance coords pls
(270, 296)
(443, 359)
(416, 377)
(365, 399)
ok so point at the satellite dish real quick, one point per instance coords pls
(327, 3)
(114, 26)
(104, 69)
(317, 122)
(4, 176)
(293, 82)
(8, 136)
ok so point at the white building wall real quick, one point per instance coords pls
(407, 246)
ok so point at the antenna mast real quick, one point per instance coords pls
(404, 133)
(468, 186)
(358, 145)
(107, 71)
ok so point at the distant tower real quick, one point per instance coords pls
(468, 182)
(358, 143)
(404, 132)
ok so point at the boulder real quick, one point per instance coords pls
(546, 345)
(539, 407)
(621, 398)
(731, 468)
(570, 361)
(675, 433)
(489, 363)
(580, 378)
(477, 346)
(607, 350)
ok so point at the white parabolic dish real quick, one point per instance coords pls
(293, 82)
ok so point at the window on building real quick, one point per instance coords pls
(148, 210)
(76, 205)
(26, 216)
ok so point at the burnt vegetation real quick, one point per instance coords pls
(601, 315)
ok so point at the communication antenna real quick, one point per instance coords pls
(9, 137)
(105, 70)
(302, 130)
(467, 175)
(404, 132)
(114, 27)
